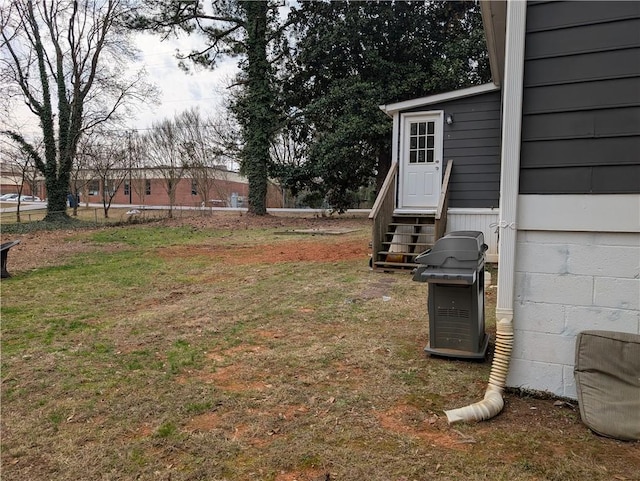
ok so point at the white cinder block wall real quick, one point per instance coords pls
(567, 282)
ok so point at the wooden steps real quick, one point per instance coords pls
(396, 239)
(405, 237)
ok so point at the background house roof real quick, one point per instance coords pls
(390, 109)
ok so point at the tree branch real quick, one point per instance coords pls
(29, 149)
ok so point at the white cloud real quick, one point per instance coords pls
(180, 91)
(206, 89)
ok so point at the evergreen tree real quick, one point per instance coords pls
(350, 57)
(233, 28)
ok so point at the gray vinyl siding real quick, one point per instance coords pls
(473, 143)
(581, 100)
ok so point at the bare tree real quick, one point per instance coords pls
(165, 158)
(250, 28)
(21, 170)
(203, 150)
(226, 138)
(288, 158)
(138, 179)
(108, 160)
(66, 60)
(82, 175)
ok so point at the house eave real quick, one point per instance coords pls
(391, 109)
(494, 21)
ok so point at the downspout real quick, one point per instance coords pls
(493, 402)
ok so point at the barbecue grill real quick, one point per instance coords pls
(454, 269)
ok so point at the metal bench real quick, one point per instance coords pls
(4, 250)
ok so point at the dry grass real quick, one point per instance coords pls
(89, 214)
(216, 350)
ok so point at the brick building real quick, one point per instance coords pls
(214, 187)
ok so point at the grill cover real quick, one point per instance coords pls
(454, 259)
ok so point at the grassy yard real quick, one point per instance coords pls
(220, 349)
(91, 214)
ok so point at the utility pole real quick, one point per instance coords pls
(130, 177)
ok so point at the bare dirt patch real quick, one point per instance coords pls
(44, 249)
(406, 419)
(204, 422)
(306, 251)
(229, 378)
(51, 248)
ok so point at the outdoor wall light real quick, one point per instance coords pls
(449, 119)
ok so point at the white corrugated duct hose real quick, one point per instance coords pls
(492, 403)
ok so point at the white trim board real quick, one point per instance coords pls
(473, 210)
(420, 183)
(391, 109)
(587, 213)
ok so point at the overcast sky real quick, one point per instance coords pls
(180, 90)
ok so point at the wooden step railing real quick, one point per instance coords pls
(382, 210)
(443, 203)
(385, 204)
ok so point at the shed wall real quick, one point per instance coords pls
(483, 220)
(473, 142)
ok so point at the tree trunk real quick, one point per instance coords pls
(257, 176)
(171, 193)
(258, 118)
(57, 190)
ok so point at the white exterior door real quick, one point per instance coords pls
(421, 161)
